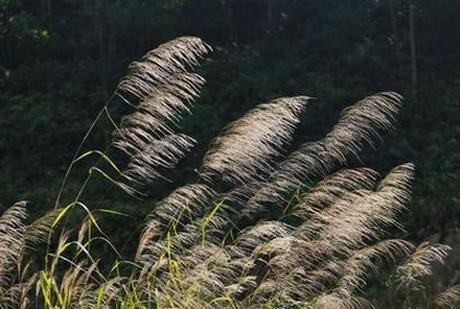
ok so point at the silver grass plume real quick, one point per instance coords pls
(186, 220)
(358, 126)
(294, 274)
(351, 220)
(363, 261)
(12, 228)
(17, 295)
(247, 147)
(180, 207)
(259, 234)
(342, 276)
(160, 154)
(38, 231)
(364, 219)
(301, 274)
(166, 86)
(419, 264)
(157, 113)
(158, 65)
(185, 212)
(332, 188)
(322, 261)
(202, 265)
(219, 221)
(450, 298)
(361, 124)
(15, 238)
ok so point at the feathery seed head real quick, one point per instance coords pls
(247, 147)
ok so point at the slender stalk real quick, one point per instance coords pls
(70, 167)
(82, 188)
(77, 152)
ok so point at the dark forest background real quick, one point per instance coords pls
(60, 59)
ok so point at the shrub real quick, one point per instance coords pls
(260, 227)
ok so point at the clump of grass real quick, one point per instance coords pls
(260, 228)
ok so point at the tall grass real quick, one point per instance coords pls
(260, 227)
